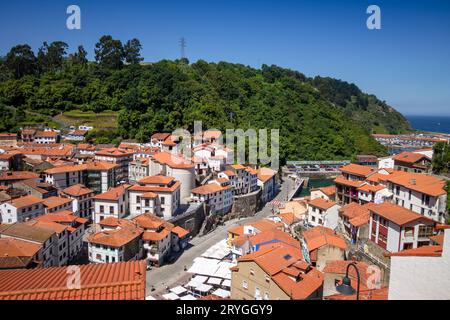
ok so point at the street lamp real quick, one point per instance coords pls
(346, 287)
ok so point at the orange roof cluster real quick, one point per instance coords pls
(357, 214)
(397, 214)
(172, 160)
(410, 157)
(16, 253)
(46, 134)
(358, 170)
(287, 269)
(419, 182)
(289, 218)
(113, 194)
(48, 151)
(320, 236)
(63, 217)
(104, 281)
(322, 203)
(96, 165)
(77, 190)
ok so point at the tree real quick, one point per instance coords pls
(132, 51)
(21, 61)
(79, 57)
(441, 158)
(109, 52)
(51, 57)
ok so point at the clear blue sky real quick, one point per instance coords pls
(406, 63)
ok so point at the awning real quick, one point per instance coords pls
(204, 288)
(226, 283)
(214, 281)
(178, 290)
(171, 296)
(222, 293)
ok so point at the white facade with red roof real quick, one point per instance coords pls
(323, 212)
(21, 209)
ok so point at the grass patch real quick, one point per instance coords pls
(102, 120)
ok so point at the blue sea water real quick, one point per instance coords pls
(430, 123)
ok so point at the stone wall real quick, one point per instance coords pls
(191, 219)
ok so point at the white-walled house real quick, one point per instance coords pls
(158, 195)
(266, 180)
(394, 228)
(112, 203)
(217, 194)
(21, 209)
(422, 273)
(323, 212)
(82, 200)
(420, 193)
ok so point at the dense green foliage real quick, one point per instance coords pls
(318, 118)
(441, 158)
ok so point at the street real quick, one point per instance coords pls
(171, 274)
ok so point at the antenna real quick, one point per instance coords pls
(183, 45)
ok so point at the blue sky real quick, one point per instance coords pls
(406, 63)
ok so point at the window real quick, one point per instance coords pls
(409, 231)
(102, 209)
(245, 285)
(163, 200)
(425, 231)
(252, 272)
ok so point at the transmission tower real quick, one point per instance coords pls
(183, 45)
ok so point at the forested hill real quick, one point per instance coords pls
(318, 118)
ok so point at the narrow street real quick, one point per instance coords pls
(171, 274)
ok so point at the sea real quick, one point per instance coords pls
(438, 124)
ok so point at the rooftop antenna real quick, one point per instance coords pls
(183, 45)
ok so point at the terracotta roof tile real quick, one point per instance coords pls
(396, 214)
(322, 203)
(358, 170)
(425, 251)
(410, 157)
(77, 190)
(319, 236)
(108, 281)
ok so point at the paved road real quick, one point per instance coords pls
(171, 274)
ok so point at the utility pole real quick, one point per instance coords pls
(183, 45)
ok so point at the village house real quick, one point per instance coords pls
(8, 139)
(354, 221)
(8, 178)
(121, 158)
(323, 245)
(46, 136)
(217, 195)
(76, 135)
(159, 195)
(275, 272)
(33, 232)
(139, 169)
(119, 240)
(412, 162)
(38, 189)
(420, 193)
(75, 226)
(323, 213)
(252, 228)
(55, 204)
(394, 228)
(21, 209)
(352, 178)
(112, 203)
(11, 160)
(82, 200)
(326, 193)
(242, 179)
(266, 180)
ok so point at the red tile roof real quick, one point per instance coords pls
(180, 232)
(397, 214)
(425, 251)
(77, 190)
(25, 201)
(350, 183)
(172, 160)
(322, 203)
(15, 253)
(410, 157)
(156, 180)
(116, 238)
(356, 169)
(17, 175)
(419, 182)
(319, 236)
(53, 202)
(106, 281)
(113, 194)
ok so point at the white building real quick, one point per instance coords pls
(268, 184)
(158, 195)
(82, 200)
(112, 203)
(217, 194)
(323, 213)
(21, 209)
(422, 273)
(242, 179)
